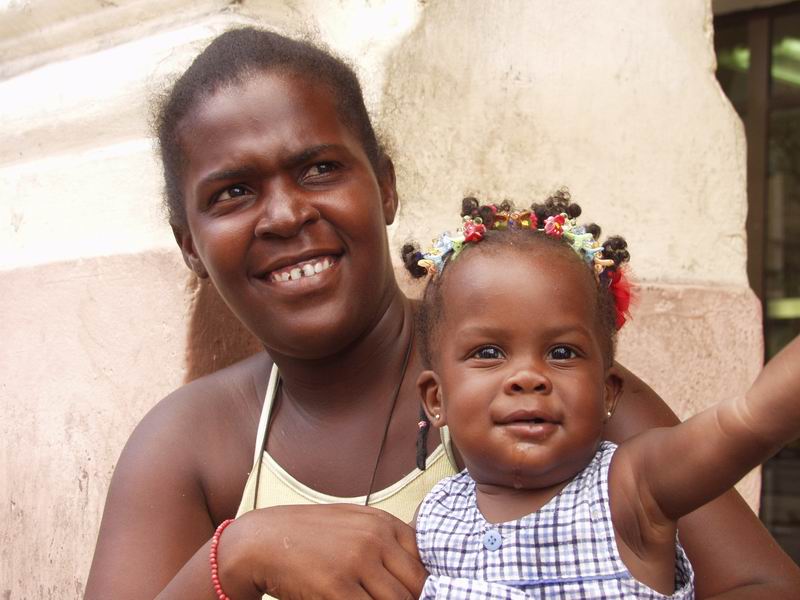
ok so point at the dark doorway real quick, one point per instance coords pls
(758, 57)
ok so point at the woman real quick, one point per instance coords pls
(280, 193)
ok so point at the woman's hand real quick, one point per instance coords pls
(331, 552)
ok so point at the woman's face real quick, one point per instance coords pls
(286, 214)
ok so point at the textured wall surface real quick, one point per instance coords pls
(518, 99)
(696, 345)
(88, 346)
(616, 99)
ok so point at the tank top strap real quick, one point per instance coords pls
(250, 496)
(266, 410)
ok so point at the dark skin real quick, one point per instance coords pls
(285, 178)
(526, 401)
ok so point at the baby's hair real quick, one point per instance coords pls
(507, 227)
(232, 58)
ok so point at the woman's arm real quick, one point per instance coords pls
(315, 551)
(156, 515)
(733, 555)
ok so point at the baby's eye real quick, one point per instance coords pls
(488, 353)
(234, 191)
(562, 353)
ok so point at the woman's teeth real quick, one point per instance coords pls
(308, 269)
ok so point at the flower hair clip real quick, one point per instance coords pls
(555, 218)
(448, 246)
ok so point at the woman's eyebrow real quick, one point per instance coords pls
(307, 154)
(290, 162)
(227, 174)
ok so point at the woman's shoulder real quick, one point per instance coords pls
(236, 390)
(203, 433)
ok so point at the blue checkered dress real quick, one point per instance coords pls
(565, 550)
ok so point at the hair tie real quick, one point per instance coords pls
(558, 219)
(561, 226)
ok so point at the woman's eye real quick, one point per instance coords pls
(562, 353)
(320, 170)
(488, 353)
(234, 191)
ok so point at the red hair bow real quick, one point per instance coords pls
(621, 290)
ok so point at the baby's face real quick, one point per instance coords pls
(520, 375)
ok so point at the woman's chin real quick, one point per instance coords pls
(313, 336)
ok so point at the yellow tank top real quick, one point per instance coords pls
(270, 485)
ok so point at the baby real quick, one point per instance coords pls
(517, 329)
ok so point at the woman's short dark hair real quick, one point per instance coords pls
(235, 56)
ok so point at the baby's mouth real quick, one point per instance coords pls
(303, 269)
(529, 417)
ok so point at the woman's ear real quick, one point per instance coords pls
(388, 184)
(190, 257)
(430, 391)
(612, 392)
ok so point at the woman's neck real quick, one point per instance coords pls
(370, 367)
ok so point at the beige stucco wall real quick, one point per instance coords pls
(615, 98)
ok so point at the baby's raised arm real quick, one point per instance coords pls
(677, 469)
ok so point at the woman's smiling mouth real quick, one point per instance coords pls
(303, 269)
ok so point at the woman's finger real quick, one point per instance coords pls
(359, 593)
(405, 567)
(406, 537)
(382, 585)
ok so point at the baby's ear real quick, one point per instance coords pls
(612, 392)
(430, 391)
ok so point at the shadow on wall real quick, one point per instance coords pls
(216, 338)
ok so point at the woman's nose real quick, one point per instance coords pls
(527, 381)
(285, 212)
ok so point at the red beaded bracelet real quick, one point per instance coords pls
(212, 559)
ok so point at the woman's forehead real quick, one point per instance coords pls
(273, 97)
(263, 115)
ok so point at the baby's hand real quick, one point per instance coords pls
(773, 401)
(781, 375)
